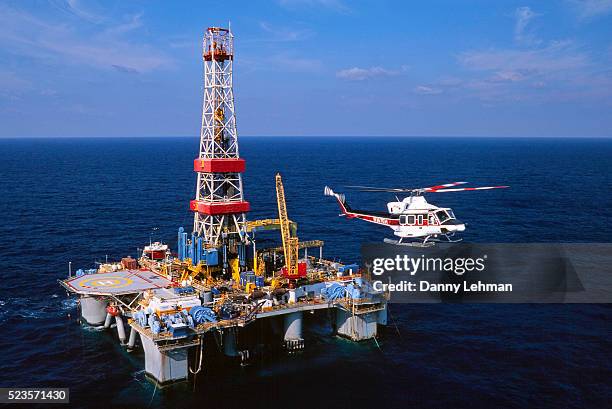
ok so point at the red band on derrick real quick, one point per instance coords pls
(219, 208)
(225, 165)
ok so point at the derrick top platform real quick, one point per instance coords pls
(116, 282)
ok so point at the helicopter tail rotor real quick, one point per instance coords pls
(329, 192)
(339, 197)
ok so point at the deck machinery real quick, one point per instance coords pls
(218, 283)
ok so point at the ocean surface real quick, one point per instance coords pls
(81, 200)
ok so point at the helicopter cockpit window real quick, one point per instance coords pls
(451, 214)
(442, 216)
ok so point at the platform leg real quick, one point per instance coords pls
(356, 327)
(166, 366)
(93, 310)
(229, 342)
(293, 331)
(382, 317)
(120, 329)
(132, 340)
(108, 321)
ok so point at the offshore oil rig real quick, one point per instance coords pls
(218, 284)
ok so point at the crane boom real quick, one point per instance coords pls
(290, 244)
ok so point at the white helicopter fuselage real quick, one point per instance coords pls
(418, 218)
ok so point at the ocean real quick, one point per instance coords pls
(82, 200)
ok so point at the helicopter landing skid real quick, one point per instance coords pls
(448, 238)
(427, 241)
(410, 243)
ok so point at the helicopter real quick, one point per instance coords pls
(412, 219)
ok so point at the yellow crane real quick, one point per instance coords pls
(290, 244)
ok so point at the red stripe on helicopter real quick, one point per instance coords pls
(374, 219)
(367, 217)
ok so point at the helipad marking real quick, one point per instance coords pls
(106, 282)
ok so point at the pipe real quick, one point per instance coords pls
(198, 253)
(108, 320)
(120, 329)
(181, 244)
(192, 248)
(132, 341)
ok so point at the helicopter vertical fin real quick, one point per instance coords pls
(340, 198)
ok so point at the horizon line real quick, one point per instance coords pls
(313, 136)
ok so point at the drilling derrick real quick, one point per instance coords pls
(219, 205)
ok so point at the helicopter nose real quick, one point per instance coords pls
(453, 225)
(457, 226)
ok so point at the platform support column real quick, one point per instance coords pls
(382, 316)
(120, 329)
(132, 340)
(229, 342)
(167, 366)
(292, 326)
(356, 327)
(108, 321)
(93, 310)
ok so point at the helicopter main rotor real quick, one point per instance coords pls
(419, 191)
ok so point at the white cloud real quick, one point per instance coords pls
(560, 70)
(296, 64)
(133, 23)
(591, 8)
(522, 33)
(533, 69)
(556, 57)
(360, 74)
(426, 90)
(9, 81)
(336, 5)
(283, 34)
(76, 8)
(104, 46)
(508, 76)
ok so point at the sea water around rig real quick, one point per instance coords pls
(75, 199)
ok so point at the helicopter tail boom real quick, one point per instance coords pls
(382, 218)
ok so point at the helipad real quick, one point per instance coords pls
(117, 282)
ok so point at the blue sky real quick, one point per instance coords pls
(310, 67)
